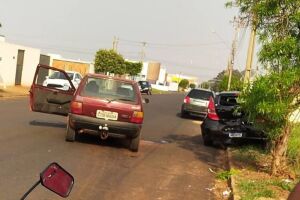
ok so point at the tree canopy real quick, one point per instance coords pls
(112, 62)
(271, 99)
(184, 83)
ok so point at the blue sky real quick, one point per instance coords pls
(191, 37)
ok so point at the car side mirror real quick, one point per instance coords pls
(146, 100)
(77, 80)
(47, 77)
(57, 179)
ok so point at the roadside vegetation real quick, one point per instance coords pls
(270, 100)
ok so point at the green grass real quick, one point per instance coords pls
(225, 175)
(294, 146)
(251, 190)
(156, 91)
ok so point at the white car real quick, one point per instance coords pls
(59, 80)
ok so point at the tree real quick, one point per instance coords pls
(132, 68)
(112, 62)
(205, 85)
(220, 82)
(184, 83)
(270, 109)
(236, 83)
(277, 24)
(272, 98)
(193, 85)
(109, 61)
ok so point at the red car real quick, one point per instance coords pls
(102, 105)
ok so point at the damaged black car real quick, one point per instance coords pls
(225, 124)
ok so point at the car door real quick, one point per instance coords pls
(49, 98)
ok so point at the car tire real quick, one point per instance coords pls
(206, 140)
(71, 134)
(135, 143)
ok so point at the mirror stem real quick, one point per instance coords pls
(30, 190)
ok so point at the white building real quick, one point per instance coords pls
(17, 63)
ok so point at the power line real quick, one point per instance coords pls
(153, 44)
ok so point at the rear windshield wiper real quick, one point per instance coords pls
(110, 100)
(121, 99)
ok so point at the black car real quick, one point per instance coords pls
(145, 87)
(224, 123)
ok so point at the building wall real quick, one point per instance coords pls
(81, 67)
(8, 64)
(162, 76)
(153, 72)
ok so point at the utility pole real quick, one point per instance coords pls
(237, 25)
(115, 44)
(143, 53)
(250, 56)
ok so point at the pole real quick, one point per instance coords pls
(143, 54)
(250, 57)
(115, 44)
(233, 50)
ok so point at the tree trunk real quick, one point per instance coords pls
(279, 150)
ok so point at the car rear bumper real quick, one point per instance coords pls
(222, 132)
(115, 128)
(194, 109)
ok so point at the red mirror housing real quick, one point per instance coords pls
(57, 179)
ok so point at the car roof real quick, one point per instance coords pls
(110, 77)
(202, 89)
(228, 93)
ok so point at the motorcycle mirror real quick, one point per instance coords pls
(57, 179)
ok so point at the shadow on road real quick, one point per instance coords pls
(48, 124)
(192, 117)
(214, 157)
(110, 142)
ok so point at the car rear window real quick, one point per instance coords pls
(109, 89)
(200, 94)
(228, 100)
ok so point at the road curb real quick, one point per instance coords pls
(13, 96)
(232, 180)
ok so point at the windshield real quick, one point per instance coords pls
(109, 89)
(200, 94)
(60, 75)
(228, 100)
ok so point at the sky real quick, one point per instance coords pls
(191, 37)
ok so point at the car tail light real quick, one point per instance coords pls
(76, 107)
(187, 100)
(211, 112)
(137, 117)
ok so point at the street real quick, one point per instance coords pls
(172, 162)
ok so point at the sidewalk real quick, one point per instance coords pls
(14, 91)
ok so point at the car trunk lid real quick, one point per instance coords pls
(108, 110)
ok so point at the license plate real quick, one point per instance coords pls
(235, 135)
(107, 115)
(200, 103)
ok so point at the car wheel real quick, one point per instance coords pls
(206, 140)
(71, 134)
(135, 143)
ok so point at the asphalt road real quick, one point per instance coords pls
(172, 162)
